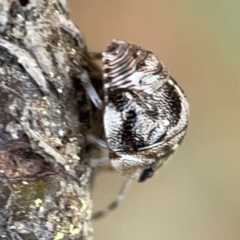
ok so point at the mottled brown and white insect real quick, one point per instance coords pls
(145, 113)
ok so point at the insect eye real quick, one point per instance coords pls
(146, 173)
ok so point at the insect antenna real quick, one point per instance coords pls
(114, 204)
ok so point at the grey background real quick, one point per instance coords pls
(196, 195)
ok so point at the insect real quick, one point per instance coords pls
(145, 110)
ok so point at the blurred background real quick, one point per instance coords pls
(196, 195)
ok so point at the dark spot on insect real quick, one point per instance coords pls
(107, 70)
(131, 115)
(23, 2)
(112, 47)
(136, 55)
(127, 127)
(141, 64)
(109, 79)
(127, 82)
(174, 102)
(107, 61)
(146, 173)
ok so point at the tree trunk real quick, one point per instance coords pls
(44, 181)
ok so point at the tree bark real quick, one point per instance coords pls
(44, 172)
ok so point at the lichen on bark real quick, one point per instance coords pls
(44, 177)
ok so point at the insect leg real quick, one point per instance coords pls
(95, 55)
(98, 162)
(91, 138)
(113, 205)
(92, 94)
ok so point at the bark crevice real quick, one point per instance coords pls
(44, 172)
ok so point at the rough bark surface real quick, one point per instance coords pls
(44, 181)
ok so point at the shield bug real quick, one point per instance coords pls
(145, 112)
